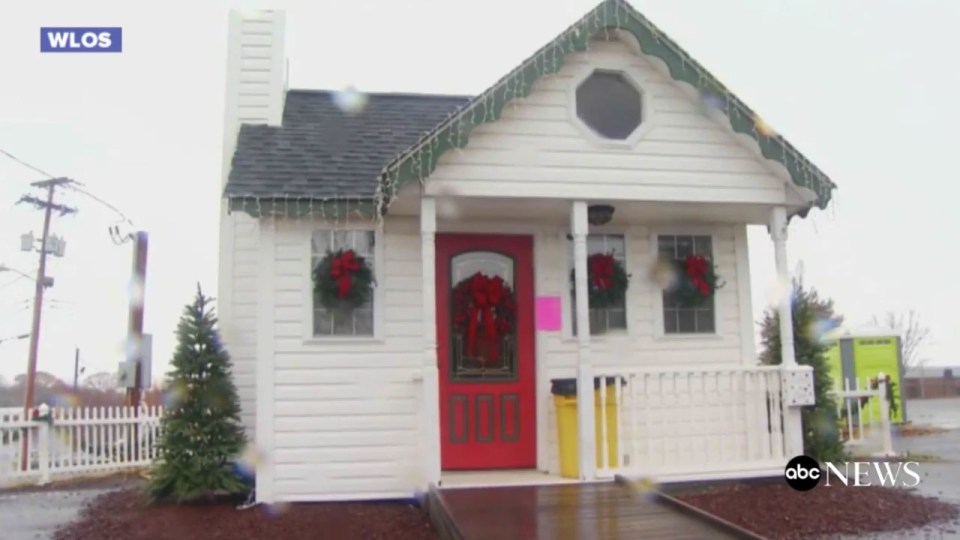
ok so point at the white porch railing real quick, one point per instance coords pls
(696, 422)
(77, 440)
(864, 413)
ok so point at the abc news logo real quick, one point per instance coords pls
(803, 473)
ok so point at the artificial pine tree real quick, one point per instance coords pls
(201, 432)
(811, 316)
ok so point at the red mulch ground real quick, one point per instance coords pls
(770, 509)
(123, 515)
(779, 512)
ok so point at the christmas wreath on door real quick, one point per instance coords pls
(484, 312)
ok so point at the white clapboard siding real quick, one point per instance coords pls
(347, 412)
(536, 148)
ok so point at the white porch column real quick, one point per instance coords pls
(431, 376)
(792, 422)
(585, 414)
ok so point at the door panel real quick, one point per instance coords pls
(486, 351)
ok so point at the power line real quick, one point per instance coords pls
(25, 164)
(99, 200)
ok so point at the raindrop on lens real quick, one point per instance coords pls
(350, 100)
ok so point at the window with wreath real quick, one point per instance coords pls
(689, 303)
(613, 314)
(342, 265)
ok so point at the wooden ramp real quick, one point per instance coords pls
(598, 511)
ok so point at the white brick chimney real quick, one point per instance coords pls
(255, 89)
(256, 73)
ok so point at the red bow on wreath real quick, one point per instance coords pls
(342, 269)
(697, 270)
(601, 271)
(486, 294)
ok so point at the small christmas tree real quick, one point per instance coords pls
(821, 434)
(200, 432)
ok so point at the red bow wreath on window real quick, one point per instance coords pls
(607, 280)
(696, 280)
(343, 279)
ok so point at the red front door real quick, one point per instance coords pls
(486, 351)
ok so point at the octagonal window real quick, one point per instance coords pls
(609, 104)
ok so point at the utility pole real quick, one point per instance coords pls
(76, 368)
(48, 206)
(135, 333)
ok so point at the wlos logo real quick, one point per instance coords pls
(803, 473)
(72, 39)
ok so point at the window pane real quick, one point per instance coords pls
(332, 323)
(678, 319)
(608, 318)
(705, 320)
(686, 321)
(320, 242)
(609, 104)
(670, 325)
(617, 245)
(703, 245)
(363, 322)
(342, 324)
(616, 318)
(342, 239)
(667, 246)
(322, 323)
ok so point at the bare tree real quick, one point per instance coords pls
(43, 379)
(102, 381)
(913, 334)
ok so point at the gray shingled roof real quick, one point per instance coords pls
(320, 152)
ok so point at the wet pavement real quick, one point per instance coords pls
(942, 413)
(36, 516)
(940, 479)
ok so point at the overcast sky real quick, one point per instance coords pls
(866, 89)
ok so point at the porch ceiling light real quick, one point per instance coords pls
(599, 214)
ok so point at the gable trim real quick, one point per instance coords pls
(420, 160)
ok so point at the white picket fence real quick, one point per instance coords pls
(864, 412)
(693, 422)
(69, 441)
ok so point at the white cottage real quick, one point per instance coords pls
(607, 152)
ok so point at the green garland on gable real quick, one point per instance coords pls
(420, 161)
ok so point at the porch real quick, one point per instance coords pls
(604, 510)
(671, 425)
(686, 407)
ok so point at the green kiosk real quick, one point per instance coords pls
(863, 353)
